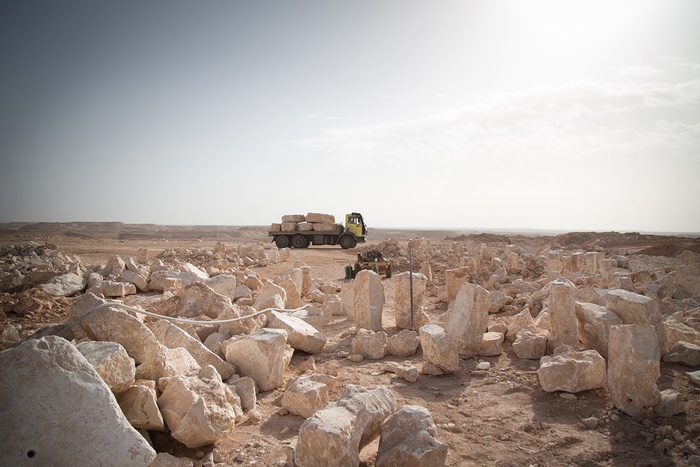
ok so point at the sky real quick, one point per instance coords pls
(469, 114)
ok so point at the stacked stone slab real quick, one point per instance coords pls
(312, 222)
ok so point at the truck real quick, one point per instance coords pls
(298, 231)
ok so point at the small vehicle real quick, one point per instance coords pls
(372, 260)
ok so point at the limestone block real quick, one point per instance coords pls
(301, 335)
(293, 218)
(439, 348)
(193, 301)
(454, 278)
(243, 326)
(64, 285)
(334, 436)
(275, 227)
(293, 299)
(314, 217)
(305, 280)
(246, 390)
(368, 300)
(517, 323)
(140, 406)
(56, 410)
(427, 271)
(676, 332)
(111, 362)
(143, 255)
(110, 288)
(268, 290)
(531, 343)
(252, 281)
(491, 344)
(594, 323)
(334, 304)
(347, 298)
(562, 314)
(402, 300)
(135, 278)
(305, 227)
(403, 344)
(224, 284)
(276, 302)
(684, 353)
(408, 438)
(369, 344)
(572, 371)
(670, 403)
(263, 355)
(173, 337)
(633, 367)
(497, 301)
(467, 321)
(633, 308)
(326, 227)
(317, 317)
(114, 325)
(196, 410)
(168, 362)
(406, 370)
(93, 279)
(114, 267)
(304, 396)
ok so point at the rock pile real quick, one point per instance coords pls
(312, 222)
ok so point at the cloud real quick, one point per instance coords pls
(581, 119)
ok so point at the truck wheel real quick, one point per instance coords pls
(282, 241)
(346, 242)
(299, 241)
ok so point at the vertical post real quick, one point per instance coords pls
(410, 281)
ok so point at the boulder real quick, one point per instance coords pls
(263, 355)
(531, 343)
(633, 308)
(467, 321)
(140, 406)
(301, 335)
(304, 396)
(670, 403)
(64, 285)
(572, 371)
(317, 218)
(562, 314)
(223, 284)
(497, 301)
(402, 300)
(517, 323)
(246, 390)
(633, 367)
(168, 362)
(293, 218)
(173, 337)
(334, 436)
(594, 323)
(134, 278)
(114, 267)
(56, 410)
(293, 294)
(439, 348)
(454, 279)
(114, 325)
(111, 362)
(403, 344)
(684, 353)
(676, 332)
(110, 288)
(406, 370)
(266, 294)
(408, 438)
(242, 326)
(198, 411)
(194, 300)
(491, 344)
(369, 344)
(347, 298)
(368, 300)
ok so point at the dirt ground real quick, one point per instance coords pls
(500, 416)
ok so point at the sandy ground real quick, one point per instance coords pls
(499, 416)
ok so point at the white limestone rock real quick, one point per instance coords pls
(633, 308)
(402, 300)
(594, 323)
(65, 285)
(334, 436)
(408, 439)
(136, 279)
(47, 387)
(684, 353)
(670, 403)
(246, 389)
(531, 343)
(403, 344)
(197, 411)
(269, 289)
(368, 300)
(439, 348)
(491, 344)
(305, 396)
(111, 362)
(633, 367)
(293, 295)
(140, 406)
(110, 288)
(562, 314)
(467, 320)
(517, 323)
(168, 362)
(369, 344)
(224, 284)
(572, 371)
(263, 355)
(301, 335)
(173, 337)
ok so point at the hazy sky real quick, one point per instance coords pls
(570, 115)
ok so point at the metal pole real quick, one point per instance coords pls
(410, 281)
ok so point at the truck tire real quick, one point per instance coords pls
(282, 241)
(299, 241)
(347, 242)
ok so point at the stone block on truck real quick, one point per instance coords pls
(300, 231)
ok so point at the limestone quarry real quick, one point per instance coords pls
(153, 345)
